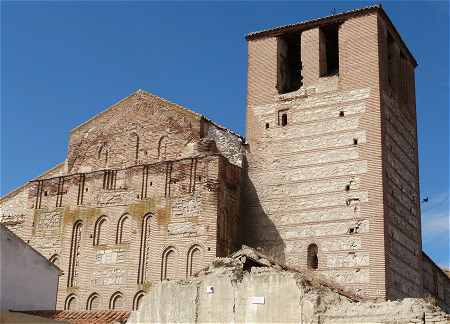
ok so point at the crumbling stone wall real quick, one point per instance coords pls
(142, 196)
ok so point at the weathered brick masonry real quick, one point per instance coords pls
(149, 190)
(327, 180)
(333, 162)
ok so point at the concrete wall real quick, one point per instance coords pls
(28, 280)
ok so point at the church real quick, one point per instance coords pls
(326, 178)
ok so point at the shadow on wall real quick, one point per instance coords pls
(256, 229)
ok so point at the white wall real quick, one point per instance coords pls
(28, 281)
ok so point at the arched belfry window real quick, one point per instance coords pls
(313, 259)
(99, 231)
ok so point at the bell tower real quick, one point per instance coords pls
(332, 158)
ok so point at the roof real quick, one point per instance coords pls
(84, 317)
(12, 317)
(339, 17)
(8, 231)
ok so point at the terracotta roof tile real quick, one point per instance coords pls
(84, 317)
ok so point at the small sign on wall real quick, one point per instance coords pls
(256, 300)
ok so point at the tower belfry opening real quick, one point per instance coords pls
(289, 64)
(329, 50)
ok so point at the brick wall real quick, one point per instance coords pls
(436, 282)
(368, 234)
(151, 190)
(143, 195)
(298, 174)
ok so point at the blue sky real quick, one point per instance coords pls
(63, 62)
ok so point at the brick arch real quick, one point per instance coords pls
(168, 263)
(99, 230)
(144, 247)
(137, 299)
(163, 144)
(93, 301)
(194, 260)
(71, 302)
(74, 253)
(134, 146)
(103, 153)
(123, 227)
(116, 301)
(55, 259)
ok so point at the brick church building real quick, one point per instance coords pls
(326, 178)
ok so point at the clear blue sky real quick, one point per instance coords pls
(61, 63)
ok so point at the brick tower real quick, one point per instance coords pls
(332, 158)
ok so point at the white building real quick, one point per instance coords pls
(28, 281)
